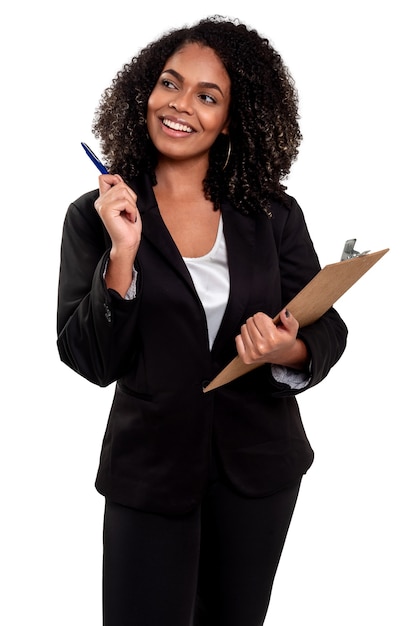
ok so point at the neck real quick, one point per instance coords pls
(180, 177)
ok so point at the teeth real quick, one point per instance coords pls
(177, 126)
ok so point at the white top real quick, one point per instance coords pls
(210, 276)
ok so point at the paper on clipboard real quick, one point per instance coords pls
(310, 303)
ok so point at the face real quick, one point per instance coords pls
(188, 107)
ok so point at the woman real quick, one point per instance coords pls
(177, 262)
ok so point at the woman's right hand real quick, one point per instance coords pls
(117, 208)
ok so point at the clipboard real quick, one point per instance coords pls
(315, 299)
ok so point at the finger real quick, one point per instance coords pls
(117, 200)
(106, 181)
(129, 207)
(132, 214)
(284, 317)
(261, 327)
(250, 341)
(126, 209)
(248, 331)
(246, 348)
(264, 324)
(239, 345)
(126, 187)
(287, 321)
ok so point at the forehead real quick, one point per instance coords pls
(198, 62)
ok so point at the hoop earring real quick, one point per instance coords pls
(228, 154)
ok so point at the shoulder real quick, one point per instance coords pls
(288, 223)
(82, 220)
(286, 213)
(82, 209)
(284, 205)
(85, 202)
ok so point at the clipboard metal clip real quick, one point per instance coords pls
(349, 252)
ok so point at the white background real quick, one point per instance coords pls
(351, 554)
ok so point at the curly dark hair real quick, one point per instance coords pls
(263, 129)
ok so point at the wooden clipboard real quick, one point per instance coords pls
(311, 302)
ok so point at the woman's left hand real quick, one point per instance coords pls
(262, 341)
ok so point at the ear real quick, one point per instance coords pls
(225, 130)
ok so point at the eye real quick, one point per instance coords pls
(207, 99)
(168, 83)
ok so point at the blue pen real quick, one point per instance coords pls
(94, 158)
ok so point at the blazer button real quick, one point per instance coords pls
(108, 313)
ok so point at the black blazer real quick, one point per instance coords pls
(162, 427)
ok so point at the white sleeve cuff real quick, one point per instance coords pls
(131, 293)
(296, 379)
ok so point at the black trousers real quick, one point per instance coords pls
(214, 566)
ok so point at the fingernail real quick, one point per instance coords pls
(287, 313)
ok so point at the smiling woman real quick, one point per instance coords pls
(190, 100)
(176, 262)
(187, 111)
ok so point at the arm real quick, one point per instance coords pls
(96, 326)
(311, 351)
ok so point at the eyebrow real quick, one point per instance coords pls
(203, 84)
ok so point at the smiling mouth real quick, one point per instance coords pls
(177, 126)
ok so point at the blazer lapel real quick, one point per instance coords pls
(239, 231)
(156, 232)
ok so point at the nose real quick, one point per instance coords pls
(182, 103)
